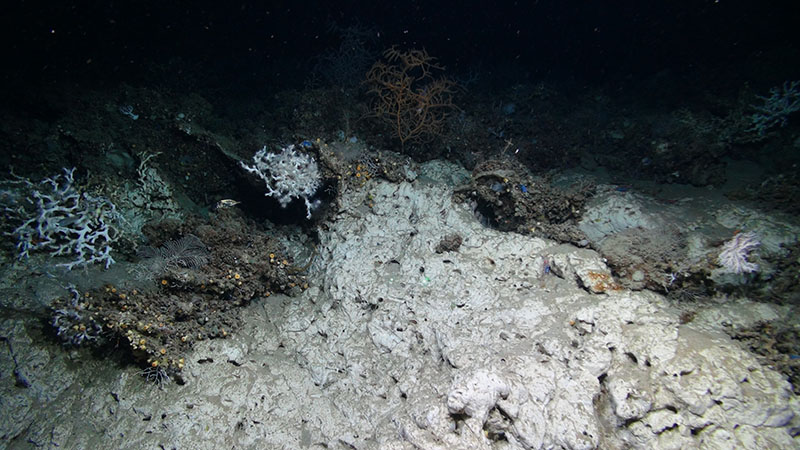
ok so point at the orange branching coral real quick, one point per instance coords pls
(408, 96)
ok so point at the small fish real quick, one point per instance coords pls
(523, 188)
(226, 203)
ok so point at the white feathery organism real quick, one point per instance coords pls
(734, 253)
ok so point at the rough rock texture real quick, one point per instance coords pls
(511, 342)
(671, 241)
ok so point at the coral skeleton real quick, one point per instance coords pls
(288, 175)
(73, 324)
(57, 217)
(776, 107)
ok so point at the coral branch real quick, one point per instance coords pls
(407, 95)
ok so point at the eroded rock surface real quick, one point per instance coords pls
(508, 342)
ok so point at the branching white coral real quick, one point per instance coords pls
(288, 175)
(776, 107)
(56, 217)
(734, 253)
